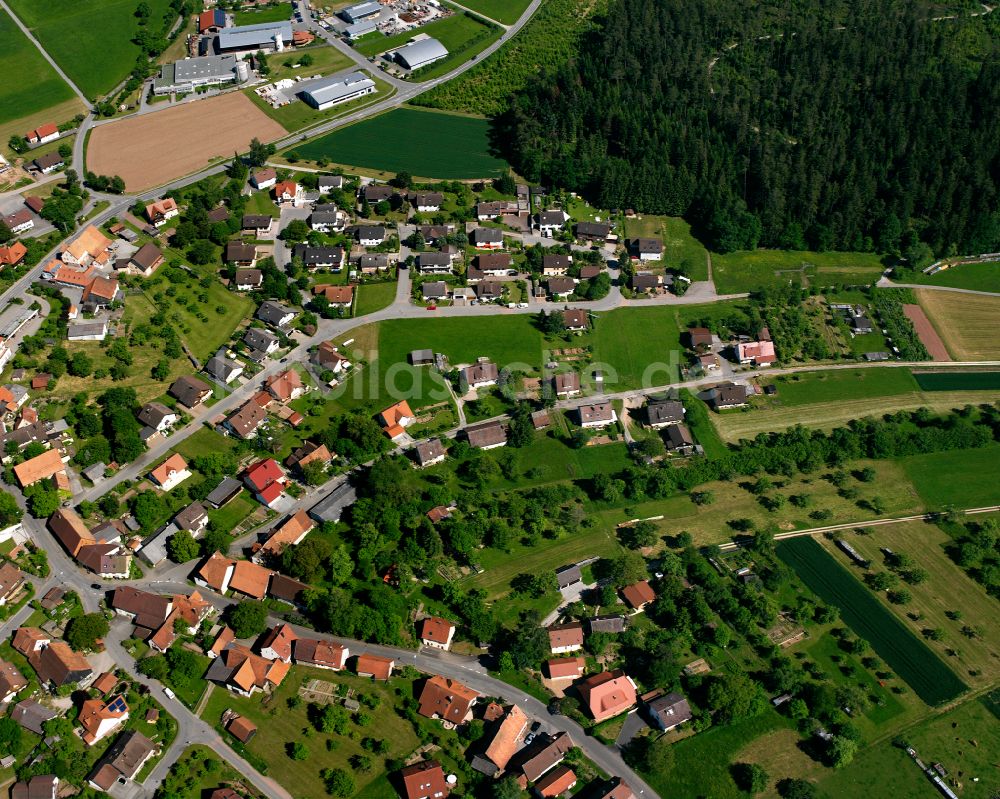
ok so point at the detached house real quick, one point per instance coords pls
(396, 418)
(434, 263)
(287, 192)
(593, 231)
(446, 699)
(266, 480)
(245, 422)
(147, 259)
(157, 416)
(599, 414)
(370, 235)
(320, 257)
(99, 719)
(427, 202)
(161, 211)
(248, 279)
(320, 654)
(261, 340)
(172, 472)
(757, 353)
(241, 255)
(239, 670)
(565, 638)
(264, 178)
(223, 369)
(646, 249)
(275, 314)
(481, 375)
(550, 222)
(190, 391)
(487, 435)
(487, 238)
(436, 632)
(608, 694)
(286, 386)
(257, 225)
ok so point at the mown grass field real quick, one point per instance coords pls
(373, 297)
(947, 589)
(30, 85)
(841, 384)
(710, 523)
(827, 415)
(977, 277)
(271, 13)
(964, 740)
(278, 725)
(639, 346)
(961, 478)
(90, 39)
(966, 322)
(928, 676)
(758, 269)
(444, 146)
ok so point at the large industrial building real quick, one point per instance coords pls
(420, 53)
(333, 91)
(271, 37)
(187, 75)
(360, 11)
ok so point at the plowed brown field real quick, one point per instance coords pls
(156, 148)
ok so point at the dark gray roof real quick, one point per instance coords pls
(224, 491)
(330, 509)
(665, 412)
(273, 312)
(258, 338)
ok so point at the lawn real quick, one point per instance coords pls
(960, 478)
(437, 145)
(279, 725)
(964, 741)
(679, 246)
(977, 277)
(947, 589)
(965, 322)
(326, 59)
(278, 12)
(928, 676)
(841, 384)
(30, 84)
(637, 347)
(701, 762)
(90, 39)
(374, 297)
(758, 269)
(205, 442)
(505, 11)
(260, 202)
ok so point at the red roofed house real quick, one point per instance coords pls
(565, 668)
(290, 533)
(71, 530)
(396, 418)
(437, 632)
(160, 211)
(758, 353)
(41, 467)
(638, 595)
(267, 481)
(565, 638)
(505, 743)
(607, 694)
(424, 780)
(287, 192)
(320, 654)
(43, 133)
(172, 472)
(286, 386)
(557, 782)
(101, 291)
(13, 254)
(250, 579)
(241, 671)
(215, 573)
(378, 668)
(446, 699)
(99, 719)
(277, 644)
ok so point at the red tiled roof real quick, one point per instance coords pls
(437, 630)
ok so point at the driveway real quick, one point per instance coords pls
(634, 724)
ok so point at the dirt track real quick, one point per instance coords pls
(928, 335)
(161, 146)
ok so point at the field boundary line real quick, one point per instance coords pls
(31, 37)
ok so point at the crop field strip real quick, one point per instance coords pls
(929, 677)
(966, 322)
(443, 146)
(29, 85)
(958, 381)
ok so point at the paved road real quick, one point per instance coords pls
(27, 32)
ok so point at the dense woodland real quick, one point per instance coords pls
(824, 126)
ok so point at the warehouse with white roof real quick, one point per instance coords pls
(420, 53)
(324, 94)
(270, 37)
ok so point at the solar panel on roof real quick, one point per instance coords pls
(118, 705)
